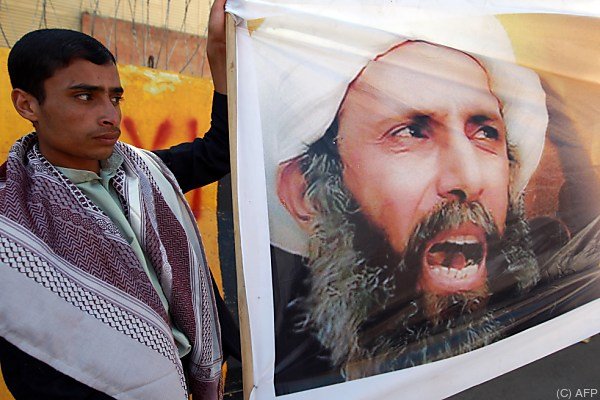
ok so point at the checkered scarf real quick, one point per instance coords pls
(74, 294)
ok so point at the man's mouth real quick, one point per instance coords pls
(454, 261)
(109, 138)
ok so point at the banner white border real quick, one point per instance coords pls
(431, 381)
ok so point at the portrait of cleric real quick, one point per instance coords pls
(402, 223)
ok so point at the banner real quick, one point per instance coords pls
(419, 193)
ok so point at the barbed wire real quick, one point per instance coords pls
(171, 34)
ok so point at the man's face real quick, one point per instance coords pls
(413, 245)
(417, 129)
(78, 122)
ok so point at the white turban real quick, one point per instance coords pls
(304, 66)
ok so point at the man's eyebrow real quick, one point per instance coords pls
(482, 118)
(421, 118)
(93, 88)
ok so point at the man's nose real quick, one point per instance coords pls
(460, 175)
(110, 114)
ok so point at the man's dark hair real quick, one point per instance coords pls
(39, 54)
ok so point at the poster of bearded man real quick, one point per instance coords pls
(418, 192)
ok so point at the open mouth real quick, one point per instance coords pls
(454, 261)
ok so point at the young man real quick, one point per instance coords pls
(105, 289)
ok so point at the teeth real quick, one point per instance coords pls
(470, 269)
(454, 273)
(460, 240)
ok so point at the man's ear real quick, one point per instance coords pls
(291, 190)
(26, 105)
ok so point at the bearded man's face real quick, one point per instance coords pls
(418, 128)
(413, 230)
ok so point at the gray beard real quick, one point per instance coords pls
(362, 304)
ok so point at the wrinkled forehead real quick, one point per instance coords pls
(420, 74)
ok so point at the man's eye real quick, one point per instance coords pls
(116, 100)
(487, 132)
(84, 96)
(410, 131)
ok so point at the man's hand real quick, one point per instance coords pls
(216, 47)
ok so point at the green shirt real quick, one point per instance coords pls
(101, 192)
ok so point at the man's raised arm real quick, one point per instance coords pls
(206, 159)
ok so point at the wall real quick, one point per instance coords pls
(18, 17)
(177, 42)
(141, 44)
